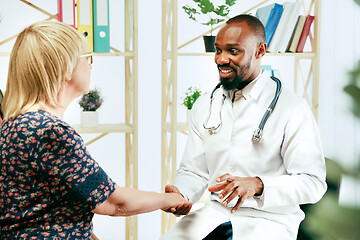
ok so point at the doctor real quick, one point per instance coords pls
(256, 187)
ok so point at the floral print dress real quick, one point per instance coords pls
(49, 184)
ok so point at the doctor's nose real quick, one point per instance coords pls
(222, 59)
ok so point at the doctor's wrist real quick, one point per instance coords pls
(259, 186)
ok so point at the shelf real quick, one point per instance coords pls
(211, 54)
(125, 54)
(180, 126)
(106, 128)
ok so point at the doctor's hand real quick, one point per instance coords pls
(183, 208)
(242, 187)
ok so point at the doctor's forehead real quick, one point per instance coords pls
(234, 33)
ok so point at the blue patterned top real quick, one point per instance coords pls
(49, 184)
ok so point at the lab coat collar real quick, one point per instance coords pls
(259, 84)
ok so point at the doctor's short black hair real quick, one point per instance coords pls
(253, 22)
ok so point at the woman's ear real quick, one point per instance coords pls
(261, 50)
(67, 80)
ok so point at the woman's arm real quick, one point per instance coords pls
(127, 201)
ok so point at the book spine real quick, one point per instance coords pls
(273, 22)
(305, 33)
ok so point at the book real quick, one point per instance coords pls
(305, 33)
(273, 21)
(289, 27)
(263, 13)
(296, 34)
(274, 43)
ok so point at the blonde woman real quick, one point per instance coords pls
(50, 187)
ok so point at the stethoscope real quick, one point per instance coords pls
(257, 135)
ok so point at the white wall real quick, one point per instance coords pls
(340, 34)
(340, 53)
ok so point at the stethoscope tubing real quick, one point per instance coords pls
(272, 104)
(257, 135)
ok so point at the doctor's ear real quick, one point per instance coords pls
(261, 50)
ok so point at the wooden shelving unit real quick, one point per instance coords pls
(130, 127)
(303, 78)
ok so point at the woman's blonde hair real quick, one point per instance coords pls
(43, 56)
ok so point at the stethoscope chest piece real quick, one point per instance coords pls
(211, 130)
(257, 135)
(215, 127)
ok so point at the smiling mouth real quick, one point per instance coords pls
(225, 72)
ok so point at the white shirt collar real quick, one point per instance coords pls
(245, 92)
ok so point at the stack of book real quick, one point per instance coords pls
(286, 30)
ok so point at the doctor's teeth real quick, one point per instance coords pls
(226, 71)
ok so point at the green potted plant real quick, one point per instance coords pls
(89, 104)
(191, 95)
(215, 14)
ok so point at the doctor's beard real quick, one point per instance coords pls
(230, 85)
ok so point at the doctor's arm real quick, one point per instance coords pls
(303, 159)
(304, 162)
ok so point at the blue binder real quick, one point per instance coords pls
(263, 13)
(273, 22)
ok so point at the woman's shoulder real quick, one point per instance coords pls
(41, 122)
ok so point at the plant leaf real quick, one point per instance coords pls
(222, 10)
(190, 12)
(213, 21)
(190, 97)
(354, 92)
(206, 6)
(230, 2)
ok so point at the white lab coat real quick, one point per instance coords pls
(289, 161)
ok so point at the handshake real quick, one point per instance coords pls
(229, 187)
(177, 203)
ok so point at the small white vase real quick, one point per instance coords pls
(89, 119)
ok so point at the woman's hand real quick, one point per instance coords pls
(183, 207)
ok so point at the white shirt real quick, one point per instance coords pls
(289, 161)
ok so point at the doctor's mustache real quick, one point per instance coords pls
(225, 65)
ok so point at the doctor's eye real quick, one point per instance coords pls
(233, 50)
